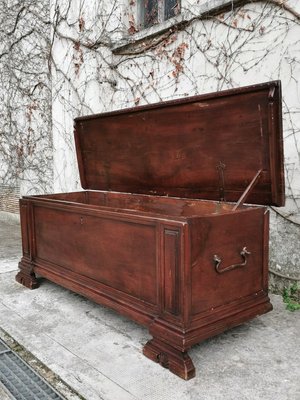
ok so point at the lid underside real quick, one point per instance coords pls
(207, 147)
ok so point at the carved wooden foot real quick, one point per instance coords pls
(168, 357)
(26, 277)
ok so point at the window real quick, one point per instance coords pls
(153, 12)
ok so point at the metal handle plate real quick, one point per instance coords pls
(217, 260)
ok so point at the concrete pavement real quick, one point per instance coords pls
(99, 353)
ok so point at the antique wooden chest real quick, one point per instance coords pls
(160, 232)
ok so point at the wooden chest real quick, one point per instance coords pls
(161, 233)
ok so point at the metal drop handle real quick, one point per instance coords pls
(244, 254)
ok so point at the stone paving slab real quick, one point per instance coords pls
(99, 353)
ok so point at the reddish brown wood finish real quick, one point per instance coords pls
(174, 148)
(184, 267)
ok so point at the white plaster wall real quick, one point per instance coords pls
(66, 61)
(253, 43)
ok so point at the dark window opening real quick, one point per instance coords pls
(153, 12)
(172, 8)
(150, 13)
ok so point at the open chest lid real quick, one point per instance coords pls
(206, 147)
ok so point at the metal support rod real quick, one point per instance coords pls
(248, 190)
